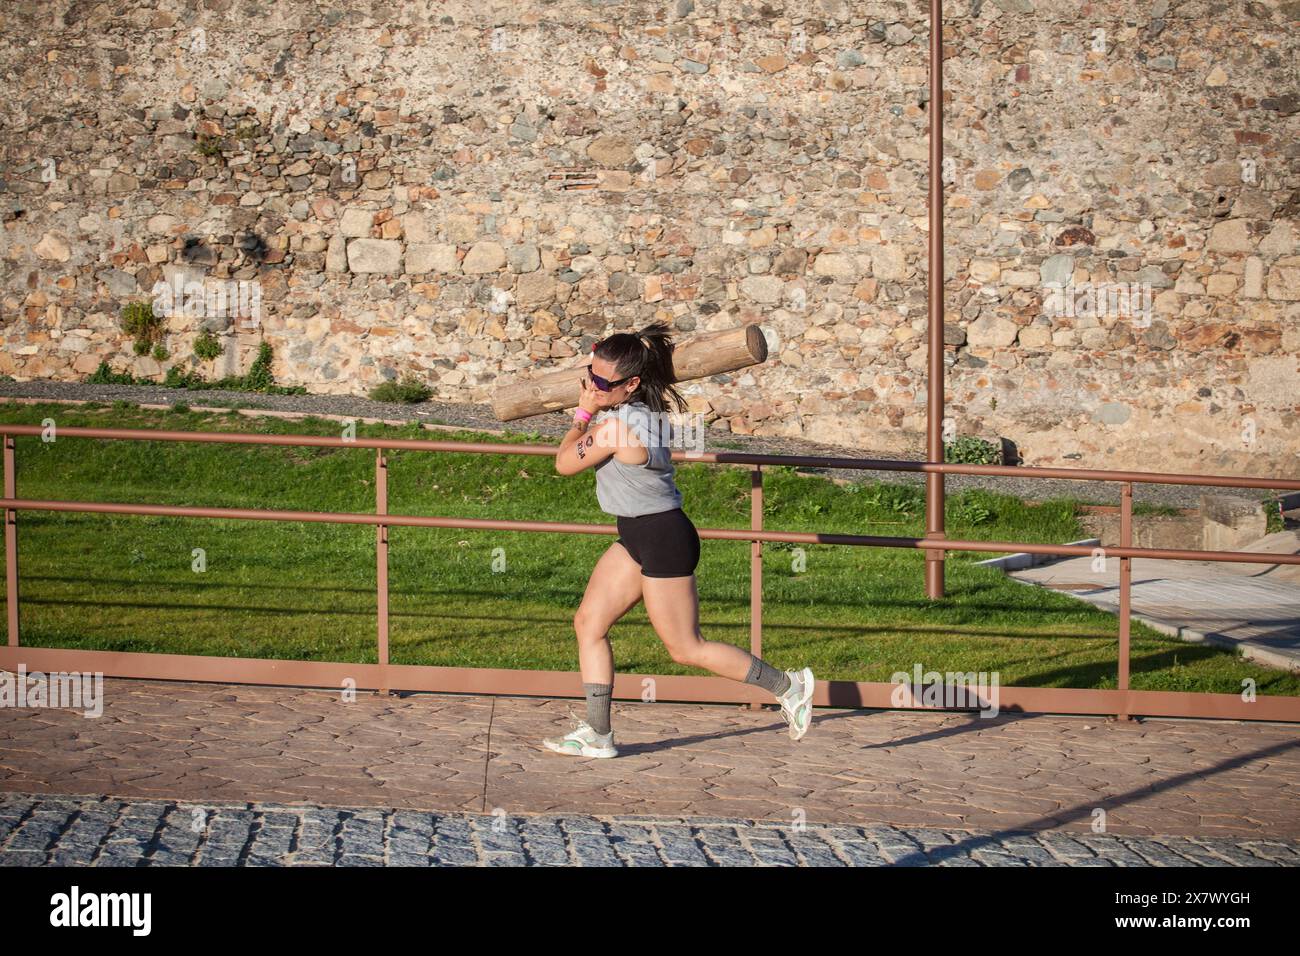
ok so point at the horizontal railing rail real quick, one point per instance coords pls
(569, 527)
(719, 458)
(384, 675)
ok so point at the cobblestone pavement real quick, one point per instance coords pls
(38, 830)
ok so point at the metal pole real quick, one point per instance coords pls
(1125, 595)
(934, 529)
(756, 568)
(381, 562)
(11, 544)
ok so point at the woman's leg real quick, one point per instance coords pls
(673, 606)
(614, 588)
(612, 591)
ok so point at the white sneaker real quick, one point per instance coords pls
(583, 741)
(796, 703)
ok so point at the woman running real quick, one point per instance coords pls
(654, 557)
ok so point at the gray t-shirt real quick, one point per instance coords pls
(634, 490)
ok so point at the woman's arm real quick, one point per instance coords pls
(584, 448)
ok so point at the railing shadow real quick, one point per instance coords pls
(964, 847)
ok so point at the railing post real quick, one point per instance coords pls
(381, 563)
(756, 568)
(934, 481)
(1125, 582)
(11, 544)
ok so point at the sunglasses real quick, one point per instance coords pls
(605, 384)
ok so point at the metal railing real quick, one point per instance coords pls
(385, 676)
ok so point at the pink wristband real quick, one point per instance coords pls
(582, 415)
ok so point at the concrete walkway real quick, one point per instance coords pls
(1253, 607)
(221, 744)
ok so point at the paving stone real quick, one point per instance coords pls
(773, 853)
(470, 840)
(877, 788)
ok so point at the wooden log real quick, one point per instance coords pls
(709, 354)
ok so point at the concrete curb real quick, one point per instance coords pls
(1250, 650)
(1022, 559)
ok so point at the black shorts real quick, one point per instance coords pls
(665, 544)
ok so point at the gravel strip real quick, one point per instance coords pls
(554, 424)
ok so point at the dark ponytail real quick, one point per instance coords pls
(649, 354)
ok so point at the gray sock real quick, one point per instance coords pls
(598, 700)
(768, 677)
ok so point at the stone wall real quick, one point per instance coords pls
(468, 191)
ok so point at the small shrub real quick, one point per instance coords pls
(180, 379)
(139, 322)
(1274, 520)
(206, 346)
(969, 450)
(410, 390)
(208, 145)
(104, 375)
(259, 378)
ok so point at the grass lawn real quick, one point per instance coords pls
(306, 591)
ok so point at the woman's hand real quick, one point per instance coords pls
(589, 401)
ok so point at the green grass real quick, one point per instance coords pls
(1154, 510)
(306, 591)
